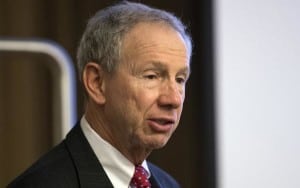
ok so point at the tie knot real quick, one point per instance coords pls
(140, 178)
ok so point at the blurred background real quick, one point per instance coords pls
(240, 122)
(26, 86)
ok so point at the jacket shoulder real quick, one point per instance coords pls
(54, 169)
(162, 177)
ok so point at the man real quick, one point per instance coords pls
(133, 62)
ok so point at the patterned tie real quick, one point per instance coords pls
(139, 179)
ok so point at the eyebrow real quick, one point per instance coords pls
(158, 64)
(186, 70)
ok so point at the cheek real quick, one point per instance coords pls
(117, 102)
(145, 99)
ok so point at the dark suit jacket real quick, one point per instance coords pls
(73, 164)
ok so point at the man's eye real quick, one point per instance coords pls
(180, 80)
(150, 76)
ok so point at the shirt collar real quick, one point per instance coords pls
(117, 167)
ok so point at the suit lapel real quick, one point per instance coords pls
(154, 182)
(154, 179)
(90, 172)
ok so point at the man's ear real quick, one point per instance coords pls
(93, 81)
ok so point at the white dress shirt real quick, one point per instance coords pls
(117, 167)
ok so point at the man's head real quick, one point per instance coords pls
(103, 37)
(135, 64)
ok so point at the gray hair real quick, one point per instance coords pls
(102, 39)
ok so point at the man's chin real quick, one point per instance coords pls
(156, 143)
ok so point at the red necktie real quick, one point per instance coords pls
(140, 178)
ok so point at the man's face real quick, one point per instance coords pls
(145, 94)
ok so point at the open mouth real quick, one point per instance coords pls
(161, 124)
(163, 121)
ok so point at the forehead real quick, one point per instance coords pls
(154, 40)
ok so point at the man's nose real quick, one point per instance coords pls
(171, 95)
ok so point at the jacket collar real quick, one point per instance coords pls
(90, 172)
